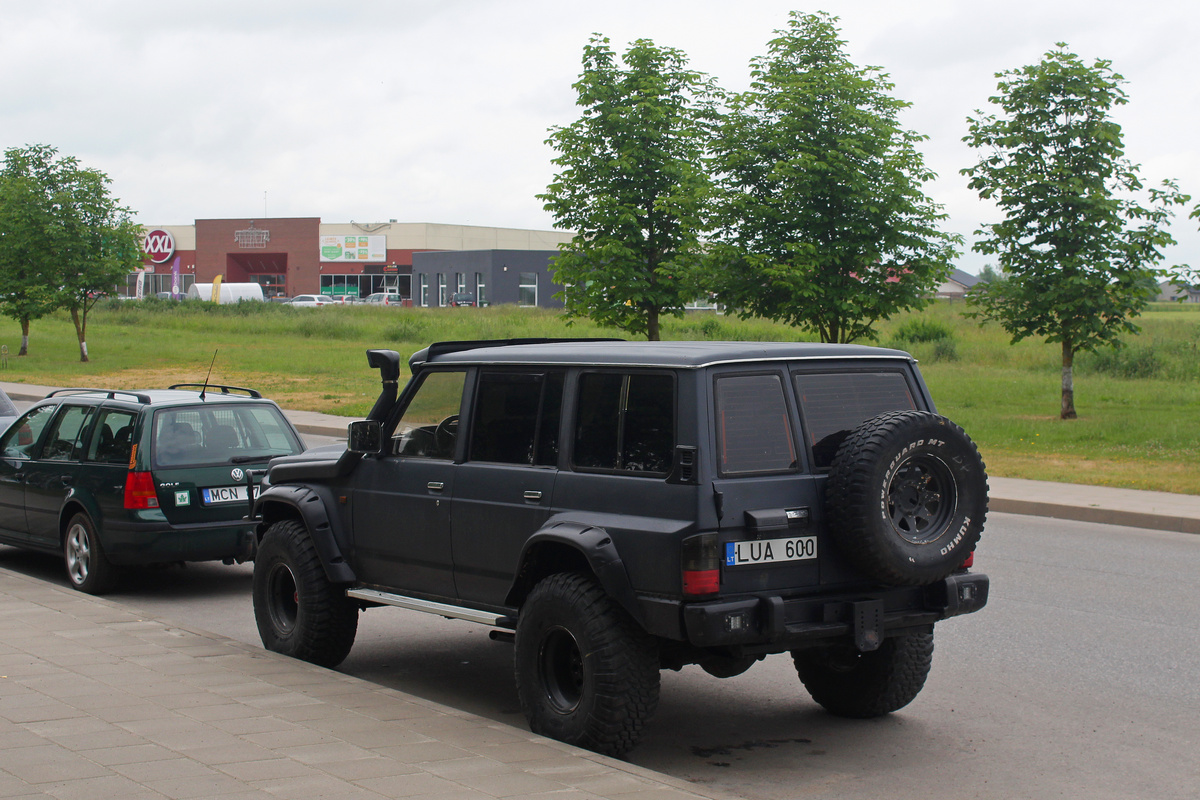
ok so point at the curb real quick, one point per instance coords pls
(1104, 516)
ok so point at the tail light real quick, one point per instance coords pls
(140, 491)
(970, 562)
(701, 558)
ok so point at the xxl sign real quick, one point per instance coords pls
(159, 245)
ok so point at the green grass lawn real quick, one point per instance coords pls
(1139, 407)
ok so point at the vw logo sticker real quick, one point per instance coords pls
(237, 474)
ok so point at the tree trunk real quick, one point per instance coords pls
(80, 331)
(1068, 381)
(24, 337)
(652, 332)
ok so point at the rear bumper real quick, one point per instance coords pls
(131, 543)
(773, 623)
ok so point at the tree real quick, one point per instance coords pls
(632, 185)
(65, 240)
(1076, 247)
(823, 222)
(1186, 279)
(26, 214)
(989, 274)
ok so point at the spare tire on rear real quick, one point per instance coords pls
(907, 497)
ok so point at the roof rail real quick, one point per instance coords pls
(111, 394)
(217, 387)
(442, 348)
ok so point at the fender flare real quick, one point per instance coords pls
(596, 546)
(311, 506)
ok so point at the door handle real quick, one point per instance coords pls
(533, 496)
(435, 486)
(67, 480)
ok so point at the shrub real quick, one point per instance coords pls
(922, 330)
(407, 329)
(1130, 361)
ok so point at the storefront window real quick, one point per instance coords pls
(480, 289)
(528, 290)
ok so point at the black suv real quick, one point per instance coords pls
(111, 478)
(617, 508)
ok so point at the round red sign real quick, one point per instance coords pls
(159, 245)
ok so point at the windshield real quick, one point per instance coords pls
(215, 434)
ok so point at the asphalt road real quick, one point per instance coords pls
(1080, 679)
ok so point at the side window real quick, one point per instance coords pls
(23, 434)
(65, 442)
(753, 431)
(516, 418)
(429, 426)
(625, 422)
(113, 440)
(836, 403)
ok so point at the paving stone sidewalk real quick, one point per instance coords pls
(99, 702)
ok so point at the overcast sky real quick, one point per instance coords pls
(437, 110)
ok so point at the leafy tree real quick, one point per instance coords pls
(989, 274)
(823, 221)
(65, 241)
(633, 185)
(27, 282)
(1186, 279)
(1076, 246)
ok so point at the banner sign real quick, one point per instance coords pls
(358, 249)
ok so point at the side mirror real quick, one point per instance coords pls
(365, 436)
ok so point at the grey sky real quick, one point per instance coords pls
(427, 111)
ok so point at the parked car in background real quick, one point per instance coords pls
(383, 299)
(462, 299)
(310, 300)
(8, 411)
(111, 478)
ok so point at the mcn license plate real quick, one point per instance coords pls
(225, 494)
(770, 551)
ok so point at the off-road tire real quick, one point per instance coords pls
(88, 568)
(586, 673)
(907, 497)
(299, 612)
(848, 683)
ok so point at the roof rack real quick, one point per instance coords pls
(218, 388)
(111, 394)
(442, 348)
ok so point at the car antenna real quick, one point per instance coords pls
(204, 388)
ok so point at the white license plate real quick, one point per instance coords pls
(770, 551)
(225, 494)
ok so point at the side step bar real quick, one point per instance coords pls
(430, 607)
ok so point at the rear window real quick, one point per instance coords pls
(753, 432)
(212, 435)
(836, 403)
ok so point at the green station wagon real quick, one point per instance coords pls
(115, 478)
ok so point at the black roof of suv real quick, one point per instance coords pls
(114, 478)
(616, 508)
